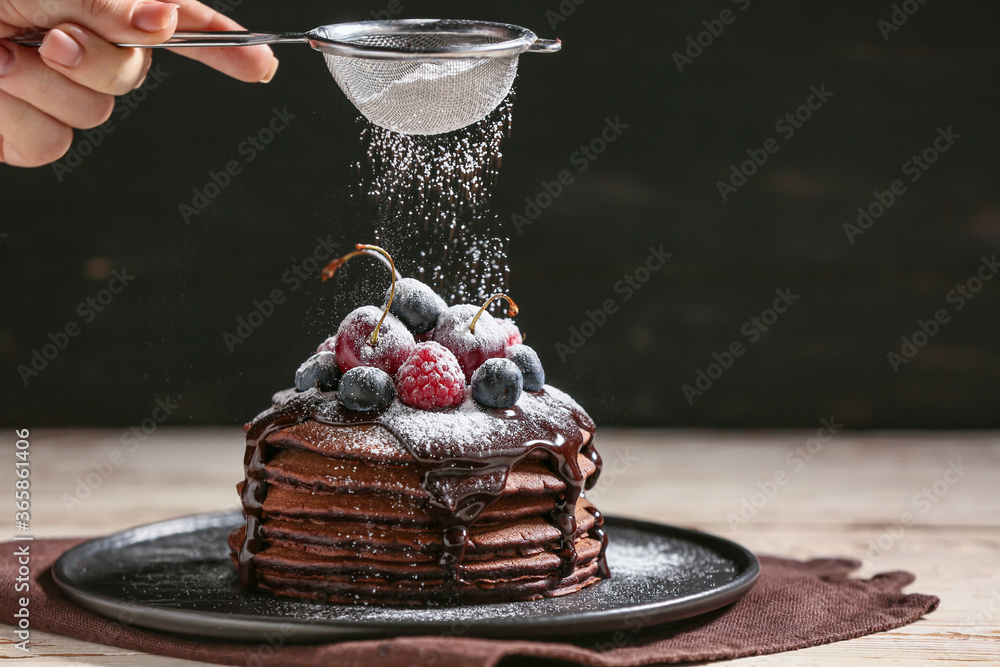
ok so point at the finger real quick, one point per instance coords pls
(246, 63)
(83, 57)
(120, 21)
(29, 137)
(28, 78)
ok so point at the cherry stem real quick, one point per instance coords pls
(511, 312)
(363, 249)
(332, 267)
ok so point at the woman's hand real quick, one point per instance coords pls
(72, 79)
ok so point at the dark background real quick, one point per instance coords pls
(827, 356)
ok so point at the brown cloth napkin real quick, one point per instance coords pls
(794, 605)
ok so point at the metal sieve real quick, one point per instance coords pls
(413, 76)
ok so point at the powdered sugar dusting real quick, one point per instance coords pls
(184, 565)
(392, 335)
(471, 430)
(468, 430)
(559, 396)
(511, 332)
(430, 199)
(387, 449)
(431, 378)
(453, 329)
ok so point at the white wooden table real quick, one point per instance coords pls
(849, 496)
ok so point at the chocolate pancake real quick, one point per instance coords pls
(413, 506)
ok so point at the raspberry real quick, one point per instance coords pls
(511, 332)
(431, 378)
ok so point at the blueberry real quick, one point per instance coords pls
(366, 388)
(497, 383)
(526, 359)
(416, 304)
(319, 370)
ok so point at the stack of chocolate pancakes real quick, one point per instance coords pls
(412, 506)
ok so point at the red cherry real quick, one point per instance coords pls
(511, 331)
(393, 344)
(329, 345)
(424, 337)
(470, 346)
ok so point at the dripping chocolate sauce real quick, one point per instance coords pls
(455, 514)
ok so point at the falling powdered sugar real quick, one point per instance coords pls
(431, 195)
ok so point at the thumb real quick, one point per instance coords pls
(122, 21)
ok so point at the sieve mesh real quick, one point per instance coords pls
(424, 97)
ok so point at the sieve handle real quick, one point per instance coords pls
(186, 39)
(545, 46)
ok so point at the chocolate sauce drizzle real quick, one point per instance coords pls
(460, 484)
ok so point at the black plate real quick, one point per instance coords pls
(176, 576)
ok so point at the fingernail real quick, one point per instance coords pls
(6, 59)
(154, 16)
(270, 73)
(60, 48)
